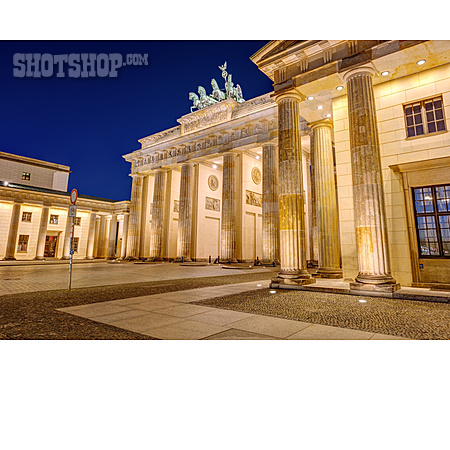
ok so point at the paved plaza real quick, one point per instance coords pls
(32, 277)
(111, 300)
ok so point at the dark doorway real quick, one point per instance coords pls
(50, 246)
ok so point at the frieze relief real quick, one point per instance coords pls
(176, 206)
(253, 198)
(212, 204)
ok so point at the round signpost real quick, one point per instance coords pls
(73, 196)
(73, 199)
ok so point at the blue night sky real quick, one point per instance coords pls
(88, 124)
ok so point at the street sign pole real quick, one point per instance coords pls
(71, 253)
(72, 213)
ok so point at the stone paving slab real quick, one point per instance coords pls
(169, 316)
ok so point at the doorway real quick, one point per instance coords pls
(50, 246)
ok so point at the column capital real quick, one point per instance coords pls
(136, 175)
(289, 94)
(268, 144)
(363, 70)
(328, 123)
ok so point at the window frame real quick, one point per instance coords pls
(26, 243)
(423, 114)
(77, 221)
(29, 214)
(436, 214)
(26, 176)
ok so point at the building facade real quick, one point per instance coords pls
(34, 222)
(345, 165)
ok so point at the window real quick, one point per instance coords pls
(54, 219)
(77, 221)
(432, 208)
(424, 117)
(75, 242)
(25, 176)
(22, 246)
(26, 216)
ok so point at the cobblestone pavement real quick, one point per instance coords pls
(174, 316)
(33, 278)
(35, 315)
(402, 318)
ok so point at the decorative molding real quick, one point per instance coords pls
(213, 182)
(212, 204)
(176, 206)
(253, 198)
(256, 175)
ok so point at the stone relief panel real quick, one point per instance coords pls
(212, 204)
(256, 175)
(176, 206)
(213, 182)
(150, 209)
(253, 198)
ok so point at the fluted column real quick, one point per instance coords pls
(270, 210)
(134, 225)
(326, 202)
(13, 230)
(123, 250)
(313, 241)
(101, 237)
(96, 236)
(91, 236)
(291, 201)
(370, 217)
(229, 209)
(66, 247)
(185, 212)
(42, 232)
(112, 237)
(157, 228)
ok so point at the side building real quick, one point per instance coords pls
(34, 222)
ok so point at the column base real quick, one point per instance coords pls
(381, 287)
(39, 258)
(291, 281)
(328, 273)
(184, 259)
(64, 257)
(131, 258)
(228, 261)
(9, 258)
(90, 258)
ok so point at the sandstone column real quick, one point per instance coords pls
(13, 230)
(313, 246)
(91, 236)
(97, 236)
(368, 197)
(291, 201)
(185, 212)
(66, 248)
(157, 228)
(42, 232)
(123, 250)
(112, 237)
(270, 210)
(326, 202)
(134, 226)
(229, 209)
(101, 238)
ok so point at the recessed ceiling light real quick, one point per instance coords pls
(257, 156)
(339, 88)
(214, 166)
(419, 63)
(320, 107)
(386, 72)
(310, 97)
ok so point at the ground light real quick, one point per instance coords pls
(362, 301)
(273, 292)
